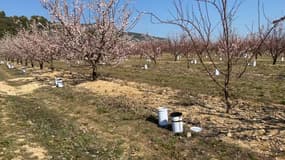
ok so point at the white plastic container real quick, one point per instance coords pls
(254, 63)
(162, 117)
(55, 81)
(10, 66)
(24, 70)
(179, 58)
(145, 67)
(196, 129)
(58, 82)
(195, 61)
(282, 59)
(177, 123)
(217, 72)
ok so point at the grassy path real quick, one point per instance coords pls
(17, 141)
(30, 130)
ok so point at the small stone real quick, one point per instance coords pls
(279, 158)
(229, 134)
(188, 135)
(265, 138)
(273, 133)
(30, 122)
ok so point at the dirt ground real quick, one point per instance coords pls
(19, 90)
(256, 126)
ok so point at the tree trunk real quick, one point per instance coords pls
(26, 62)
(70, 66)
(51, 65)
(175, 57)
(227, 100)
(94, 74)
(274, 60)
(188, 64)
(41, 65)
(153, 59)
(32, 64)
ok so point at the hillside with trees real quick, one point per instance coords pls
(12, 24)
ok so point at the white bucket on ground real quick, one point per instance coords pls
(162, 117)
(177, 123)
(254, 63)
(24, 70)
(55, 81)
(145, 66)
(178, 58)
(195, 61)
(10, 66)
(58, 82)
(217, 72)
(282, 59)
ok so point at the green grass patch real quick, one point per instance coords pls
(128, 123)
(263, 83)
(6, 74)
(119, 128)
(60, 135)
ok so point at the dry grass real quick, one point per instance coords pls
(251, 125)
(122, 113)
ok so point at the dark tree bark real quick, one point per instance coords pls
(41, 65)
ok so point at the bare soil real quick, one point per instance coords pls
(18, 90)
(256, 126)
